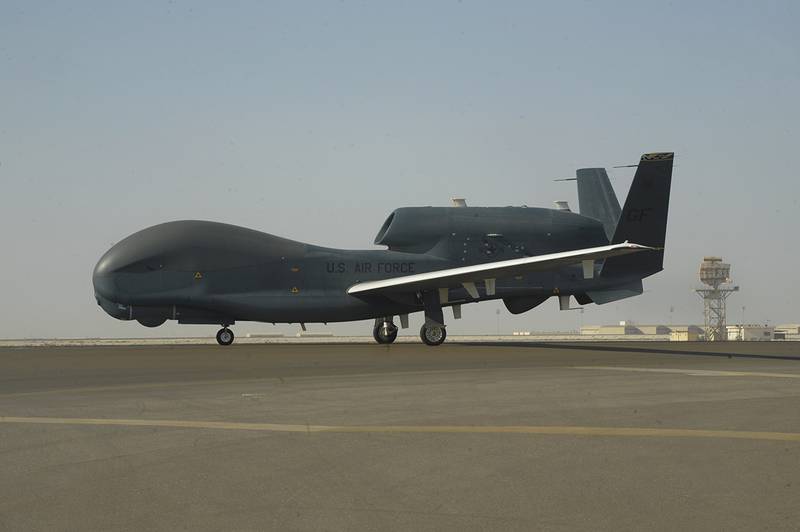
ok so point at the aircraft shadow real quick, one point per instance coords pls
(627, 349)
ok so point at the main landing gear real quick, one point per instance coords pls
(433, 331)
(225, 336)
(432, 334)
(385, 331)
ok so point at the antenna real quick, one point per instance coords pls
(715, 274)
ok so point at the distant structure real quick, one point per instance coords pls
(716, 275)
(752, 333)
(628, 330)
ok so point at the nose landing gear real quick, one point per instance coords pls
(225, 336)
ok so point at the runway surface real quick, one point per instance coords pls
(465, 436)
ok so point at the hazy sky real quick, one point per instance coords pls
(313, 120)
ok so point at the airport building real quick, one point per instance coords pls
(691, 333)
(788, 331)
(659, 331)
(687, 333)
(750, 333)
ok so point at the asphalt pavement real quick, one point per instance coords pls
(507, 436)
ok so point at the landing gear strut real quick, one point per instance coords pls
(384, 332)
(432, 331)
(432, 334)
(225, 336)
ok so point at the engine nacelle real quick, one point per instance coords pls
(524, 231)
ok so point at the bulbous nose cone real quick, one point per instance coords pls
(138, 254)
(136, 269)
(154, 267)
(106, 292)
(102, 276)
(107, 263)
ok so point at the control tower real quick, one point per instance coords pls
(716, 276)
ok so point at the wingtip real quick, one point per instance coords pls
(633, 245)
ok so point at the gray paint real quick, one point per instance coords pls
(207, 272)
(596, 198)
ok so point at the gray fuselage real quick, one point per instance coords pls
(208, 272)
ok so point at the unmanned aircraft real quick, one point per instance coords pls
(202, 272)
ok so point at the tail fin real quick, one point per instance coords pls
(596, 198)
(644, 218)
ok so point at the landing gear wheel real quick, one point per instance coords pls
(381, 336)
(432, 334)
(225, 336)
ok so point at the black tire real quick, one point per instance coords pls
(381, 338)
(225, 336)
(432, 335)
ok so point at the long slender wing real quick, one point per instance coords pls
(493, 270)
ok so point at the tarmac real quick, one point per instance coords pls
(325, 338)
(466, 436)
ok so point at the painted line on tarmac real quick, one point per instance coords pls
(696, 372)
(266, 380)
(140, 386)
(634, 432)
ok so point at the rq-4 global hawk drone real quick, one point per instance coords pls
(213, 273)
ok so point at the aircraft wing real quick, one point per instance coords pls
(489, 271)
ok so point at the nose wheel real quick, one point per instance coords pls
(432, 334)
(225, 336)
